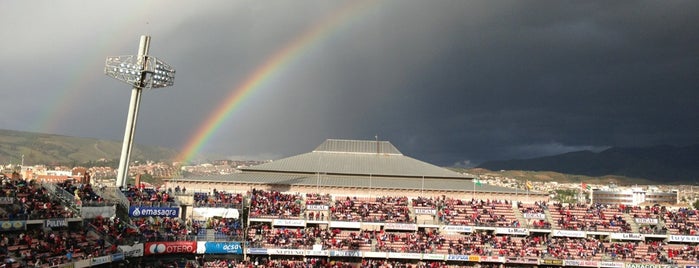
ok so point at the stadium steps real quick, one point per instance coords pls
(123, 213)
(210, 235)
(518, 215)
(629, 219)
(64, 198)
(661, 223)
(547, 212)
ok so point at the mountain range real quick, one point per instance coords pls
(37, 148)
(663, 164)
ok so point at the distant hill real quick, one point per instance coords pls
(552, 176)
(40, 148)
(669, 164)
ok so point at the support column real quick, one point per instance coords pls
(134, 104)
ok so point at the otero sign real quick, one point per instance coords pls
(171, 247)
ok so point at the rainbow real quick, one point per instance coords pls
(272, 66)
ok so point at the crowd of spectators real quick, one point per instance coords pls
(305, 263)
(292, 262)
(410, 242)
(425, 202)
(317, 206)
(595, 217)
(291, 238)
(531, 212)
(682, 254)
(496, 213)
(218, 199)
(178, 190)
(40, 247)
(682, 222)
(82, 193)
(573, 248)
(370, 209)
(273, 204)
(30, 201)
(637, 252)
(163, 229)
(101, 235)
(318, 199)
(115, 230)
(339, 239)
(225, 228)
(143, 196)
(648, 219)
(382, 263)
(513, 246)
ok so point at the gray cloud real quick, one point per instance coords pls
(445, 81)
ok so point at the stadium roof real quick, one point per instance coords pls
(356, 163)
(355, 157)
(370, 182)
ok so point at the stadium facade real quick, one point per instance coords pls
(634, 196)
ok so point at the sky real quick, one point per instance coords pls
(447, 82)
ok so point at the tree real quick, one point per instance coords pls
(145, 177)
(566, 195)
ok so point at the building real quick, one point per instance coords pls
(354, 167)
(634, 196)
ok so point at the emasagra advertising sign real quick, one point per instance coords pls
(171, 212)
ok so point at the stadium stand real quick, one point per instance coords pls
(371, 209)
(494, 213)
(535, 214)
(359, 231)
(273, 204)
(595, 217)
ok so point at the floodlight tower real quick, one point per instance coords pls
(141, 72)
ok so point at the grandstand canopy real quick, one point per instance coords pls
(357, 163)
(357, 157)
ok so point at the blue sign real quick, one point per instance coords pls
(257, 251)
(223, 248)
(171, 212)
(457, 257)
(117, 256)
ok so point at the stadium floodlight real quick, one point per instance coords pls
(141, 72)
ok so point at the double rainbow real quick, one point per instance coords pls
(272, 66)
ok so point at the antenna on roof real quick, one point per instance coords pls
(377, 143)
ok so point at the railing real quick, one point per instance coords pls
(155, 204)
(49, 186)
(204, 204)
(114, 194)
(103, 203)
(65, 196)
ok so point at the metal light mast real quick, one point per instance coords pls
(141, 72)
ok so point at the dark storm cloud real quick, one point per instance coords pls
(445, 81)
(549, 78)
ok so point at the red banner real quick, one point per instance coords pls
(170, 247)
